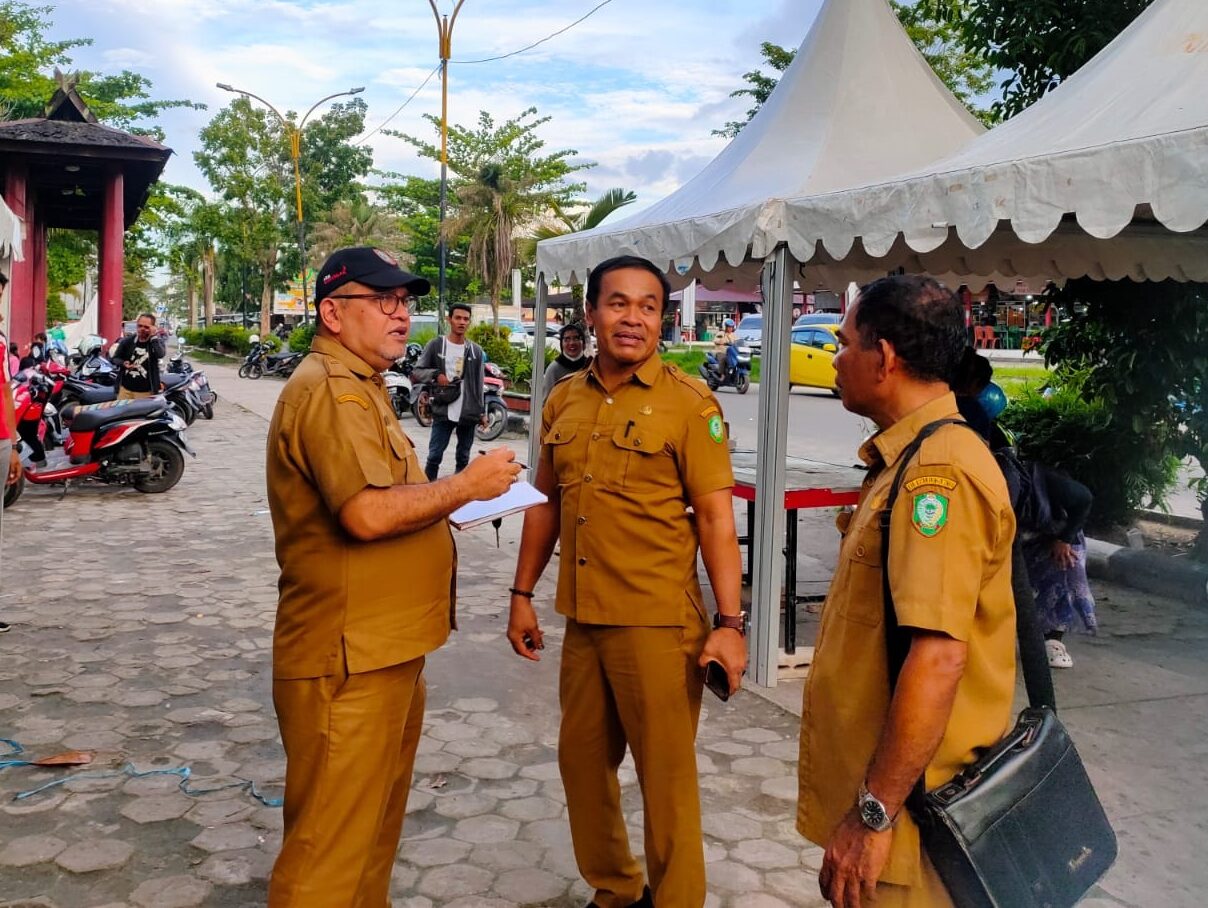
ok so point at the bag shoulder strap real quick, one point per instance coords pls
(1033, 660)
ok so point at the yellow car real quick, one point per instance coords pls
(811, 356)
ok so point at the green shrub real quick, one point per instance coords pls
(300, 338)
(422, 337)
(496, 346)
(1124, 469)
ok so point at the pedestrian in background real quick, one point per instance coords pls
(572, 340)
(865, 740)
(367, 587)
(628, 445)
(453, 367)
(138, 357)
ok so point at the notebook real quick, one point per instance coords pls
(519, 497)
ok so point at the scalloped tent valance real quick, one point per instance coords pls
(1107, 176)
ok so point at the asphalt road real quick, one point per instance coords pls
(819, 427)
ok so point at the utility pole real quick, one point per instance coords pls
(444, 29)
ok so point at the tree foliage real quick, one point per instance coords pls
(28, 57)
(358, 223)
(1140, 348)
(416, 202)
(936, 29)
(1037, 43)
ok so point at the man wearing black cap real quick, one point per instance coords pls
(352, 513)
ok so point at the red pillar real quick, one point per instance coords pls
(40, 277)
(21, 280)
(112, 258)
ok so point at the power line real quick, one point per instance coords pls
(399, 110)
(548, 37)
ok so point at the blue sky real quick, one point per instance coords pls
(636, 88)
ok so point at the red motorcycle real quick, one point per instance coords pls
(139, 443)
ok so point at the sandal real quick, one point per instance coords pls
(1059, 656)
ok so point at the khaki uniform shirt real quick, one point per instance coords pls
(950, 572)
(627, 466)
(384, 602)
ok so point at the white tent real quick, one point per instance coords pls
(10, 234)
(1106, 176)
(858, 105)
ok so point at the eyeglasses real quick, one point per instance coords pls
(388, 302)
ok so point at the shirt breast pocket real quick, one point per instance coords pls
(862, 552)
(566, 457)
(639, 459)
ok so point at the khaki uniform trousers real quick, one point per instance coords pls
(126, 394)
(350, 744)
(641, 687)
(931, 893)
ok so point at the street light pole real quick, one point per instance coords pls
(444, 29)
(295, 153)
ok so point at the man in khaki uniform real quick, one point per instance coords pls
(629, 444)
(863, 747)
(366, 590)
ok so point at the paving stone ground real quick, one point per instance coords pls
(142, 633)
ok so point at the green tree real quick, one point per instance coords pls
(1037, 43)
(574, 218)
(1140, 349)
(936, 29)
(358, 223)
(759, 85)
(416, 202)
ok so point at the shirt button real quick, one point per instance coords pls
(582, 520)
(582, 561)
(587, 478)
(637, 442)
(608, 400)
(595, 436)
(860, 551)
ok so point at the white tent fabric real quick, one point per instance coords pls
(10, 234)
(858, 105)
(1117, 153)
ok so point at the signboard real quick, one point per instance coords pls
(289, 301)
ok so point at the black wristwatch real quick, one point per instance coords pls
(872, 812)
(737, 622)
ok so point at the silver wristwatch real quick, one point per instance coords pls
(872, 812)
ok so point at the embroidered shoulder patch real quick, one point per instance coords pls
(352, 398)
(717, 430)
(930, 513)
(940, 482)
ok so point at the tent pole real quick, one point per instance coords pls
(767, 548)
(537, 383)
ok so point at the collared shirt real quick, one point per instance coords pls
(628, 464)
(950, 572)
(384, 602)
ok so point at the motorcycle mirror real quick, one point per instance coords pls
(180, 341)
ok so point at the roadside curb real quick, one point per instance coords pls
(1178, 577)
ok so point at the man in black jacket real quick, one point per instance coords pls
(138, 358)
(453, 366)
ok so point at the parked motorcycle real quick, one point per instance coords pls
(494, 409)
(260, 362)
(255, 356)
(139, 443)
(738, 376)
(398, 380)
(198, 383)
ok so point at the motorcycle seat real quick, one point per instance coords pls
(173, 380)
(98, 395)
(89, 417)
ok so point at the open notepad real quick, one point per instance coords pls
(519, 497)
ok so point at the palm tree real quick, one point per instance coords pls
(489, 208)
(574, 218)
(358, 223)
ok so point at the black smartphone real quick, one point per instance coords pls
(717, 680)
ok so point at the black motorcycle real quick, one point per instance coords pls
(198, 383)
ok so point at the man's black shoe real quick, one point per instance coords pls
(646, 901)
(3, 628)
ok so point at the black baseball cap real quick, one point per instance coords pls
(369, 266)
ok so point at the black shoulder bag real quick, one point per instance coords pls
(1021, 827)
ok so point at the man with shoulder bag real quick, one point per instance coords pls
(907, 709)
(453, 367)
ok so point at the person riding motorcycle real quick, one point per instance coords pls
(725, 348)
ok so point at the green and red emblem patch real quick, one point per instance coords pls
(930, 513)
(716, 430)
